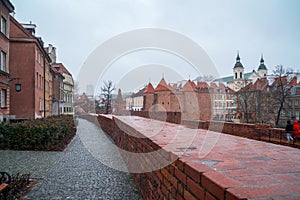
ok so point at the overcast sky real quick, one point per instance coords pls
(76, 28)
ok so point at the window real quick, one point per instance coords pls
(41, 105)
(296, 102)
(297, 115)
(293, 90)
(37, 79)
(40, 78)
(3, 25)
(3, 61)
(241, 75)
(3, 98)
(235, 75)
(290, 114)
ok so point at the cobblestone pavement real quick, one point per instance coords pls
(75, 173)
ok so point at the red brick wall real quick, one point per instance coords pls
(148, 101)
(4, 46)
(24, 65)
(179, 180)
(164, 99)
(233, 177)
(192, 105)
(176, 105)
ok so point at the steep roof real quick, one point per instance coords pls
(9, 6)
(59, 67)
(162, 86)
(140, 92)
(202, 84)
(277, 80)
(293, 81)
(119, 96)
(260, 84)
(149, 88)
(189, 87)
(230, 91)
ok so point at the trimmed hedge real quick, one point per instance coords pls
(39, 134)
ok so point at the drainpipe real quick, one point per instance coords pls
(58, 109)
(45, 86)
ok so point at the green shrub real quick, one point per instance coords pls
(38, 134)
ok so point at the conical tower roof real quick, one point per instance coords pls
(162, 86)
(262, 65)
(189, 87)
(238, 62)
(119, 97)
(149, 89)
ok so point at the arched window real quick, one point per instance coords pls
(241, 75)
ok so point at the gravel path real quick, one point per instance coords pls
(75, 173)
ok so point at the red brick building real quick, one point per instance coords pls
(28, 61)
(57, 88)
(5, 79)
(193, 102)
(67, 89)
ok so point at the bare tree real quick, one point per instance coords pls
(244, 99)
(204, 78)
(279, 89)
(107, 90)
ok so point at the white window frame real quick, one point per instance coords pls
(3, 98)
(3, 61)
(3, 25)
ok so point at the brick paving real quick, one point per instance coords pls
(223, 165)
(75, 173)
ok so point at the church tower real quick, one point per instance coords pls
(238, 74)
(238, 69)
(262, 69)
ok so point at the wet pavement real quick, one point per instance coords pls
(76, 173)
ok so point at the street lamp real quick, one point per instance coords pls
(17, 85)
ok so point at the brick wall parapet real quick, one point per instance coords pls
(235, 168)
(261, 132)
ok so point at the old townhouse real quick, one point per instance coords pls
(57, 94)
(67, 95)
(135, 101)
(63, 85)
(29, 66)
(5, 77)
(224, 103)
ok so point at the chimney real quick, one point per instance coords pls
(52, 53)
(30, 27)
